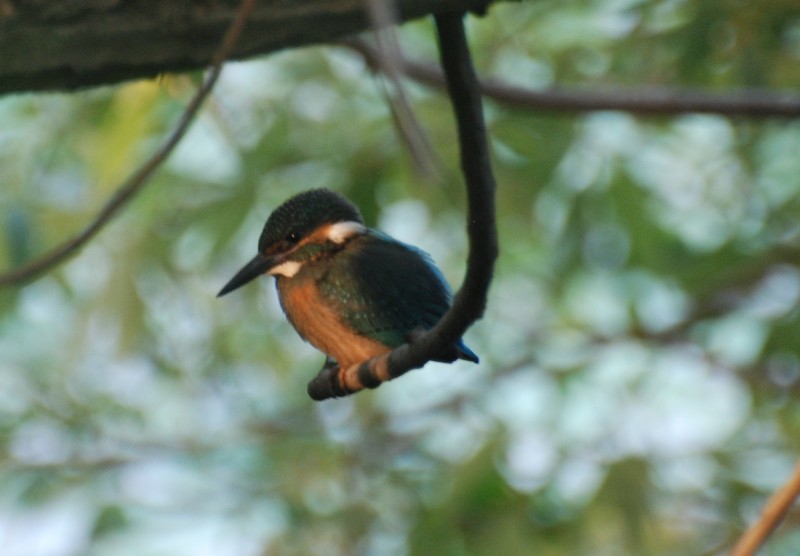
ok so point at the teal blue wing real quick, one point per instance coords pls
(385, 290)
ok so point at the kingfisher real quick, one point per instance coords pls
(352, 292)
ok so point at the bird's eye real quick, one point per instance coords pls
(293, 237)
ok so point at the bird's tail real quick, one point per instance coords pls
(465, 353)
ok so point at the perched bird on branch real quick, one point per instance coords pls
(352, 292)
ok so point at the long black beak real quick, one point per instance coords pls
(255, 268)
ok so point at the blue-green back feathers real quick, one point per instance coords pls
(387, 290)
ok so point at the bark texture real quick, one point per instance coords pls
(69, 44)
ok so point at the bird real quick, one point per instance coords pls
(351, 291)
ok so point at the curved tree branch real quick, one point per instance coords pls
(470, 301)
(752, 103)
(140, 177)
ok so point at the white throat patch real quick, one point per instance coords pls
(288, 269)
(342, 231)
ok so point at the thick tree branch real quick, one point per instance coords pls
(753, 103)
(470, 301)
(771, 516)
(46, 44)
(140, 177)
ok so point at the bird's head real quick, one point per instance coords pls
(299, 231)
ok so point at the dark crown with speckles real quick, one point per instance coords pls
(305, 212)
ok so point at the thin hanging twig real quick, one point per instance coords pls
(136, 181)
(388, 59)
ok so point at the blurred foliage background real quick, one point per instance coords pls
(639, 359)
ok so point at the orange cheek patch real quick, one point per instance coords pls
(320, 235)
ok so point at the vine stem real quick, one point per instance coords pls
(470, 301)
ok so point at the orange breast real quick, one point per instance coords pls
(321, 327)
